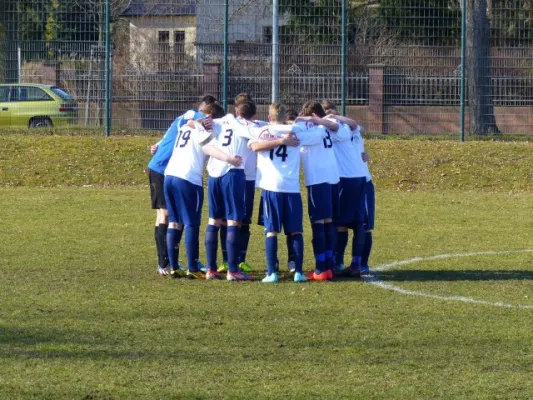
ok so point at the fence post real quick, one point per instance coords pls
(212, 78)
(463, 70)
(107, 69)
(376, 98)
(343, 59)
(275, 51)
(226, 50)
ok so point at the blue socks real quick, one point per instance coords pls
(288, 240)
(367, 248)
(232, 246)
(358, 241)
(223, 239)
(340, 247)
(192, 246)
(331, 235)
(211, 244)
(271, 250)
(298, 251)
(319, 247)
(245, 239)
(173, 242)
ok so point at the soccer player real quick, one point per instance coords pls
(351, 195)
(320, 170)
(161, 152)
(249, 172)
(278, 175)
(227, 189)
(184, 193)
(370, 210)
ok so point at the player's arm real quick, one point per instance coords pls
(265, 145)
(333, 126)
(203, 135)
(348, 121)
(343, 134)
(213, 151)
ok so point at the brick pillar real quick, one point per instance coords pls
(212, 80)
(376, 99)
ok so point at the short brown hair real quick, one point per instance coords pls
(208, 99)
(213, 109)
(241, 98)
(328, 107)
(291, 115)
(277, 113)
(246, 110)
(312, 107)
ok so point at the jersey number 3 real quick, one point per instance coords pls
(327, 141)
(228, 137)
(281, 152)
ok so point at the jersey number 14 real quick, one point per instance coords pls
(281, 152)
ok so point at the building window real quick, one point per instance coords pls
(267, 34)
(163, 64)
(179, 50)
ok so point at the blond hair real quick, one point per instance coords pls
(276, 113)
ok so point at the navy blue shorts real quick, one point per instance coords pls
(282, 210)
(351, 201)
(260, 213)
(319, 202)
(335, 201)
(184, 201)
(370, 202)
(249, 196)
(226, 196)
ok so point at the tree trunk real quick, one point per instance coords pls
(478, 69)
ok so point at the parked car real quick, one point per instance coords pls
(34, 105)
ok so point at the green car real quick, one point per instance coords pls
(34, 105)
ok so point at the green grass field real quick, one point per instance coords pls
(84, 316)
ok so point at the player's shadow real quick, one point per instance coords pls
(418, 275)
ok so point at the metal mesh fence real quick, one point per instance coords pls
(405, 61)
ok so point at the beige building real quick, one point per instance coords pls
(167, 37)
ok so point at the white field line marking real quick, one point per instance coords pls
(374, 280)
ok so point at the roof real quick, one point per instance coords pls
(155, 7)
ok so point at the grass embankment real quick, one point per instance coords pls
(49, 161)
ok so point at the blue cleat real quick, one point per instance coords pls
(201, 267)
(272, 278)
(299, 277)
(364, 269)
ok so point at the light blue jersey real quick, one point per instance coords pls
(166, 145)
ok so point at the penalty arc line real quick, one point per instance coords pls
(374, 280)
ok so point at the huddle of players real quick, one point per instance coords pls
(242, 154)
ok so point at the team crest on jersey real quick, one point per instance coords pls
(309, 124)
(267, 135)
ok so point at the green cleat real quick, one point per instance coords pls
(244, 267)
(223, 267)
(195, 275)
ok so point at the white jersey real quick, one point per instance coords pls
(232, 138)
(319, 163)
(188, 158)
(278, 170)
(250, 166)
(347, 150)
(362, 148)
